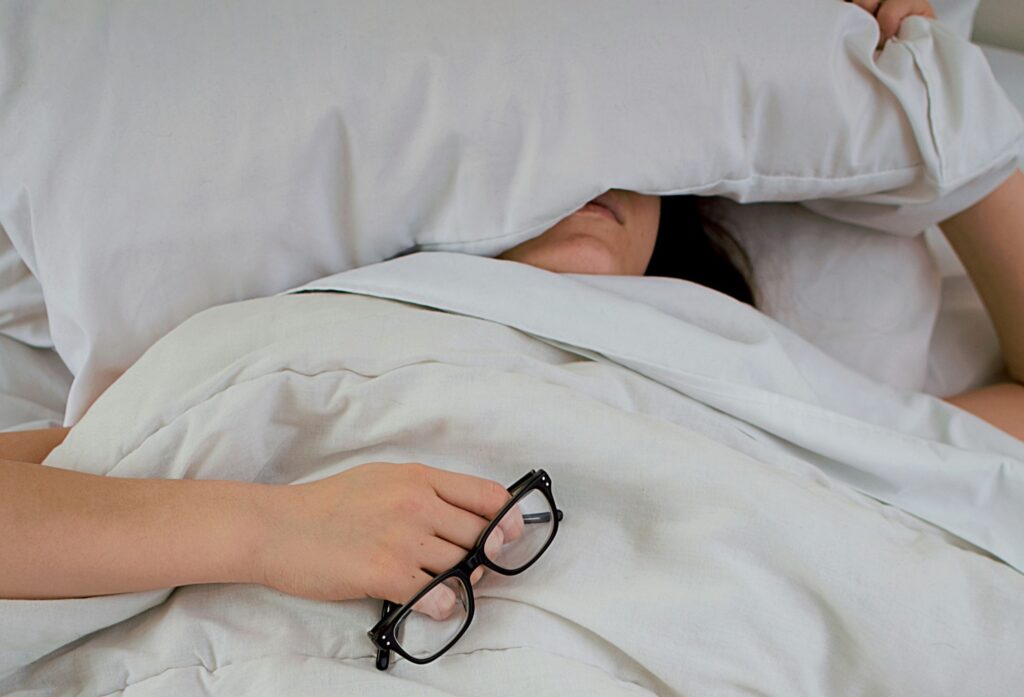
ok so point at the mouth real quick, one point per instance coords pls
(606, 203)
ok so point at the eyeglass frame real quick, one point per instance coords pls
(382, 634)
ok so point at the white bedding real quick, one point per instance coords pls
(703, 551)
(855, 327)
(161, 159)
(34, 386)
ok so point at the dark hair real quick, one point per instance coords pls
(695, 248)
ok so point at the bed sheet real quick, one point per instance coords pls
(686, 441)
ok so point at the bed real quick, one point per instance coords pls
(783, 508)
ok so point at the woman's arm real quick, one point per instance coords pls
(376, 530)
(69, 534)
(989, 239)
(31, 446)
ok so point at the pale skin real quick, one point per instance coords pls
(76, 535)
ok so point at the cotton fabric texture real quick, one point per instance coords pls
(688, 455)
(161, 159)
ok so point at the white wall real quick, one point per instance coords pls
(1000, 23)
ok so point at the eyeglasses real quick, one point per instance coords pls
(524, 527)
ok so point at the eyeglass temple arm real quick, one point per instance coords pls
(540, 517)
(384, 655)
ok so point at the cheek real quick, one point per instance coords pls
(584, 254)
(642, 233)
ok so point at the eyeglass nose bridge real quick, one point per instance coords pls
(473, 561)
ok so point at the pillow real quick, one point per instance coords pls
(161, 158)
(22, 309)
(34, 385)
(958, 15)
(866, 299)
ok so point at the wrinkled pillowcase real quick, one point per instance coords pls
(867, 299)
(161, 159)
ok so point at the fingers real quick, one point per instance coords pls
(437, 556)
(458, 526)
(893, 12)
(453, 521)
(512, 524)
(484, 497)
(869, 5)
(441, 602)
(403, 586)
(493, 544)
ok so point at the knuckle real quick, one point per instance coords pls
(420, 475)
(495, 495)
(891, 13)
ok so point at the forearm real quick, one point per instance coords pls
(989, 239)
(1001, 405)
(30, 446)
(68, 534)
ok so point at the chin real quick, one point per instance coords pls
(590, 258)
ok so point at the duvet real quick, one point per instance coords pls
(742, 515)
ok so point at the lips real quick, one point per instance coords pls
(608, 200)
(598, 210)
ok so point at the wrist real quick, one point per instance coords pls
(249, 513)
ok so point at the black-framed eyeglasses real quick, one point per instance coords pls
(524, 527)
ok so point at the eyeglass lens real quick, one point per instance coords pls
(439, 617)
(521, 533)
(517, 539)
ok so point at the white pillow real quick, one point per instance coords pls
(867, 299)
(34, 386)
(160, 158)
(22, 309)
(958, 15)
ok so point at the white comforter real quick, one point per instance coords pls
(704, 550)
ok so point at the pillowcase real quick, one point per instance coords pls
(34, 386)
(867, 299)
(958, 15)
(160, 158)
(22, 309)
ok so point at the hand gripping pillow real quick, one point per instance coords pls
(160, 158)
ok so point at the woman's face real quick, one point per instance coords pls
(613, 234)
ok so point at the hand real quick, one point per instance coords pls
(891, 13)
(379, 530)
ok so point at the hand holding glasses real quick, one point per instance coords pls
(516, 537)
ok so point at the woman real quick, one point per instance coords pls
(618, 233)
(642, 235)
(75, 534)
